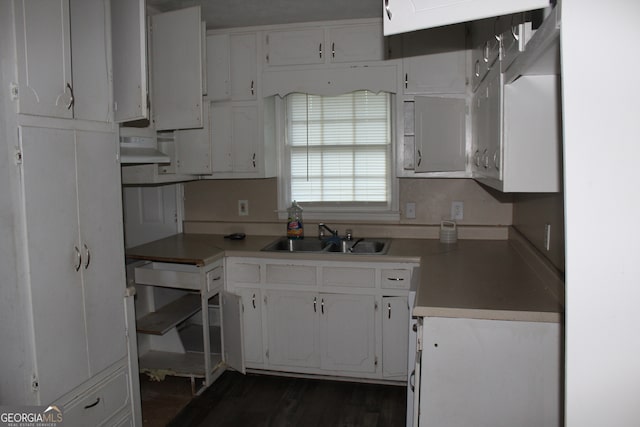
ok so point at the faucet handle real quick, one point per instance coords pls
(348, 234)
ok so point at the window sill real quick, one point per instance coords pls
(351, 216)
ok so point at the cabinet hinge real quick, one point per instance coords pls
(13, 91)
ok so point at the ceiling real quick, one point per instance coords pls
(246, 13)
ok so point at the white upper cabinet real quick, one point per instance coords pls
(51, 81)
(129, 47)
(401, 16)
(440, 136)
(356, 42)
(43, 47)
(517, 131)
(295, 46)
(244, 66)
(176, 69)
(434, 61)
(218, 67)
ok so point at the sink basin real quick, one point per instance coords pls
(330, 245)
(304, 245)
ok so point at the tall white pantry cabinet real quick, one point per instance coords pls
(63, 298)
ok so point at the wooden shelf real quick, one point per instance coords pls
(168, 316)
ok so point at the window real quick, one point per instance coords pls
(338, 154)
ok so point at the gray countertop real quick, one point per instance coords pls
(486, 279)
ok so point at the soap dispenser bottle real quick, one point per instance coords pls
(295, 228)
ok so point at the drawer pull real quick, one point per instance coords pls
(93, 404)
(412, 380)
(389, 310)
(322, 305)
(215, 279)
(315, 304)
(396, 279)
(253, 301)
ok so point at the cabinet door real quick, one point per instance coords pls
(91, 80)
(493, 162)
(401, 16)
(490, 373)
(176, 69)
(296, 47)
(244, 120)
(244, 66)
(218, 63)
(232, 331)
(221, 137)
(395, 336)
(43, 48)
(440, 139)
(129, 47)
(53, 254)
(252, 314)
(480, 129)
(434, 61)
(193, 147)
(357, 43)
(293, 329)
(347, 333)
(101, 237)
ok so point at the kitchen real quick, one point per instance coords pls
(483, 212)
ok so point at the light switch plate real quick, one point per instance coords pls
(243, 207)
(410, 210)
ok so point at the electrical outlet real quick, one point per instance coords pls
(410, 210)
(457, 210)
(243, 207)
(547, 236)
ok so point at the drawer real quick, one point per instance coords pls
(359, 277)
(98, 404)
(291, 274)
(239, 272)
(215, 279)
(180, 276)
(395, 278)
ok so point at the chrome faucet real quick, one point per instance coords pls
(322, 227)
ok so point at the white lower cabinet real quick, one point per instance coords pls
(292, 325)
(477, 372)
(252, 321)
(325, 318)
(103, 403)
(347, 334)
(395, 321)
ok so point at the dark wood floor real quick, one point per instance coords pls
(236, 400)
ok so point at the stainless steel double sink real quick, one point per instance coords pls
(330, 245)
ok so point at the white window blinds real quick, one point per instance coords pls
(339, 148)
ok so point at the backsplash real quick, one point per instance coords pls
(211, 206)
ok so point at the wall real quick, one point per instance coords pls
(211, 206)
(531, 212)
(601, 153)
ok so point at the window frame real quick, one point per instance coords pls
(375, 211)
